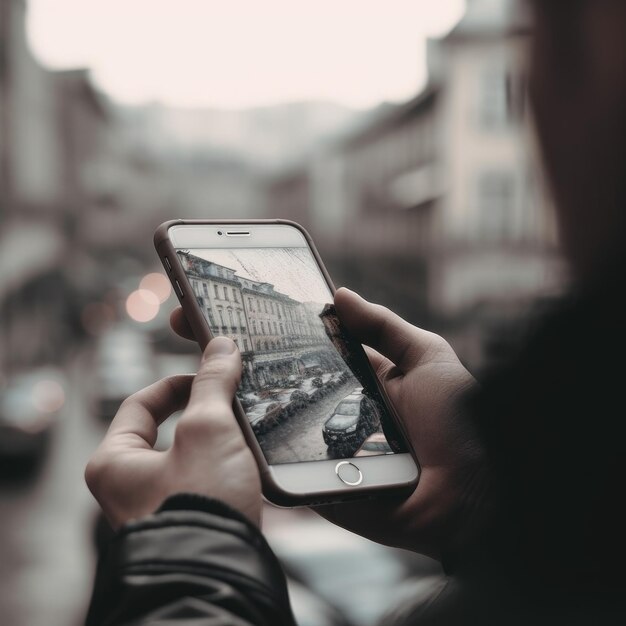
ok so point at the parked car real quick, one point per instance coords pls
(124, 364)
(30, 405)
(343, 377)
(374, 445)
(318, 394)
(264, 416)
(299, 399)
(353, 420)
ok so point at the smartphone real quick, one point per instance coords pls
(310, 406)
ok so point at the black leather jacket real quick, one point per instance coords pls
(194, 562)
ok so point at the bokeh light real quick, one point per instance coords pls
(158, 284)
(48, 396)
(142, 305)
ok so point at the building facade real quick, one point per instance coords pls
(50, 129)
(439, 202)
(278, 336)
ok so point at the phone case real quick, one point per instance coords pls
(271, 490)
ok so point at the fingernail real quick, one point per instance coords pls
(354, 293)
(345, 289)
(221, 345)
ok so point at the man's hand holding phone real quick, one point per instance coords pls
(209, 455)
(425, 381)
(227, 280)
(421, 375)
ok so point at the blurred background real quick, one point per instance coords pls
(396, 132)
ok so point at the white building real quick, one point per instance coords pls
(278, 336)
(440, 199)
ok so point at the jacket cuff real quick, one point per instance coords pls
(197, 502)
(202, 532)
(190, 547)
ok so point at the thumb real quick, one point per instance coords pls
(209, 413)
(378, 327)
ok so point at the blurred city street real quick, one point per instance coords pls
(46, 521)
(47, 515)
(423, 195)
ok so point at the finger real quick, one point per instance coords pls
(209, 411)
(376, 326)
(180, 325)
(378, 361)
(140, 414)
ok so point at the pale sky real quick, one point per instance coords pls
(240, 53)
(292, 271)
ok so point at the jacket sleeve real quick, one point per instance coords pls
(194, 562)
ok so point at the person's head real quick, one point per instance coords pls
(578, 92)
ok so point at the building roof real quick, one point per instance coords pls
(391, 117)
(492, 17)
(78, 82)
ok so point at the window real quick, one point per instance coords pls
(254, 331)
(205, 289)
(217, 295)
(226, 293)
(282, 329)
(262, 328)
(235, 298)
(273, 308)
(265, 305)
(258, 345)
(245, 345)
(251, 304)
(210, 317)
(493, 108)
(231, 319)
(496, 205)
(275, 328)
(220, 313)
(240, 316)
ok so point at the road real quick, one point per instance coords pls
(47, 521)
(47, 564)
(299, 437)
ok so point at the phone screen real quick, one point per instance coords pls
(306, 388)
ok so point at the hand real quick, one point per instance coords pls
(425, 382)
(209, 455)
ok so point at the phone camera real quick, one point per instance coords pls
(219, 232)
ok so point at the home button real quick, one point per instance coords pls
(349, 473)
